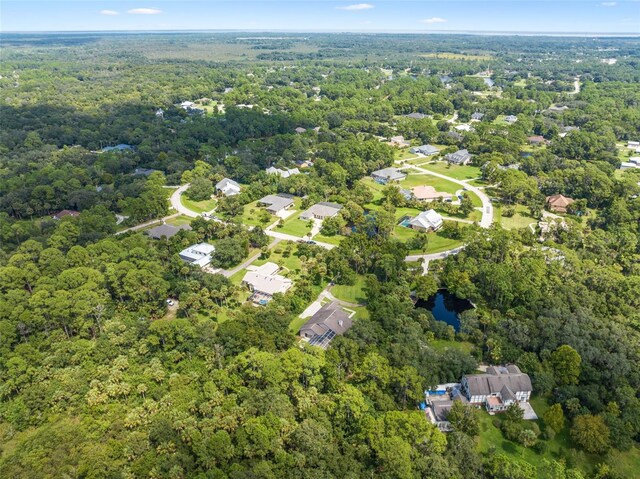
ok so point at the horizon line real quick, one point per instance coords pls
(373, 32)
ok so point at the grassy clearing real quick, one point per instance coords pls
(179, 220)
(404, 154)
(254, 215)
(198, 206)
(442, 345)
(521, 219)
(350, 293)
(457, 172)
(334, 240)
(293, 225)
(284, 256)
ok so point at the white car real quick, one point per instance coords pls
(170, 302)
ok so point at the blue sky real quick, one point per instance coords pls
(621, 16)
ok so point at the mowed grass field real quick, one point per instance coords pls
(454, 171)
(198, 206)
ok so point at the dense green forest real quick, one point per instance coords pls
(101, 378)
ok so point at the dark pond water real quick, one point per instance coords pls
(445, 307)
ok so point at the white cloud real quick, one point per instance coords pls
(608, 4)
(356, 7)
(144, 11)
(431, 20)
(110, 13)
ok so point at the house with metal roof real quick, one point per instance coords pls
(197, 254)
(276, 203)
(386, 175)
(416, 116)
(426, 221)
(228, 187)
(498, 388)
(425, 150)
(477, 116)
(321, 211)
(327, 323)
(272, 170)
(460, 157)
(264, 281)
(166, 231)
(510, 119)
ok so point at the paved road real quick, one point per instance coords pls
(487, 207)
(177, 204)
(148, 223)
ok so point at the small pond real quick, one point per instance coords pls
(445, 307)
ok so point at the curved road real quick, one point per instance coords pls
(177, 204)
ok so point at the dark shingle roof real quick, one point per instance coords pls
(495, 379)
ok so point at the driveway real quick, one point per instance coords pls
(487, 207)
(177, 204)
(529, 413)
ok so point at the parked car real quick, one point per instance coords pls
(170, 302)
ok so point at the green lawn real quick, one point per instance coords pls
(296, 324)
(627, 463)
(521, 219)
(291, 262)
(293, 225)
(403, 154)
(198, 206)
(454, 171)
(253, 215)
(334, 240)
(179, 220)
(441, 345)
(350, 293)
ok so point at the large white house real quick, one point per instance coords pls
(228, 187)
(428, 220)
(282, 173)
(198, 254)
(498, 388)
(265, 281)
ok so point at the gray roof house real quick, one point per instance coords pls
(426, 221)
(388, 174)
(510, 118)
(425, 150)
(166, 231)
(276, 203)
(498, 388)
(143, 171)
(454, 135)
(416, 116)
(460, 157)
(228, 187)
(327, 323)
(477, 116)
(321, 211)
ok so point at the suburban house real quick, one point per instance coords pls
(634, 162)
(633, 144)
(558, 203)
(282, 173)
(160, 113)
(264, 281)
(460, 157)
(321, 211)
(407, 194)
(511, 119)
(498, 388)
(63, 213)
(386, 175)
(416, 116)
(455, 136)
(187, 105)
(300, 130)
(536, 140)
(276, 203)
(429, 193)
(327, 323)
(143, 171)
(567, 129)
(117, 148)
(398, 141)
(426, 221)
(166, 231)
(477, 116)
(197, 254)
(228, 187)
(464, 127)
(557, 108)
(439, 403)
(425, 150)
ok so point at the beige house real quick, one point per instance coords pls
(429, 193)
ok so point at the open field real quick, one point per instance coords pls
(179, 221)
(454, 171)
(198, 206)
(521, 219)
(351, 293)
(293, 225)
